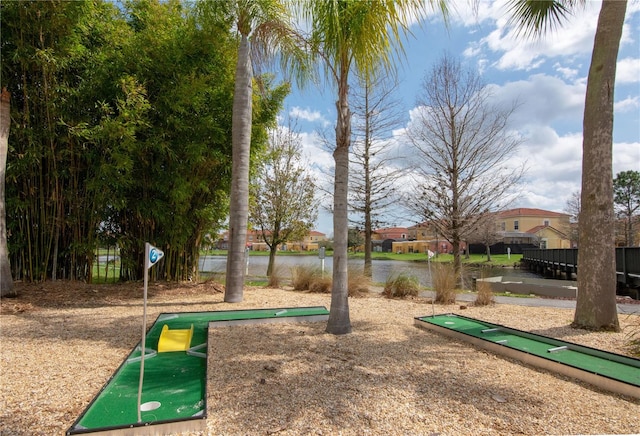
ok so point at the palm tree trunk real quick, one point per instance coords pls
(6, 282)
(596, 302)
(239, 204)
(339, 322)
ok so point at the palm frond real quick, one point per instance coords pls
(534, 18)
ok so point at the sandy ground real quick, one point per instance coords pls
(60, 342)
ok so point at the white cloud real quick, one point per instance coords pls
(543, 100)
(306, 115)
(315, 153)
(626, 157)
(627, 105)
(574, 37)
(567, 73)
(551, 95)
(628, 70)
(554, 169)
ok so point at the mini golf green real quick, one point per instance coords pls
(174, 383)
(609, 371)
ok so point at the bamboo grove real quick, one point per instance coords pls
(120, 133)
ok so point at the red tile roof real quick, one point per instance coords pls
(536, 229)
(393, 232)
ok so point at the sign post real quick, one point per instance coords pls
(430, 254)
(151, 256)
(321, 255)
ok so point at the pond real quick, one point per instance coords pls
(381, 269)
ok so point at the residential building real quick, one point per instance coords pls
(422, 231)
(382, 239)
(395, 233)
(422, 237)
(255, 242)
(311, 242)
(542, 228)
(422, 246)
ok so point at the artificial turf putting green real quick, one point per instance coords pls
(615, 370)
(174, 385)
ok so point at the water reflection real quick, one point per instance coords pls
(381, 269)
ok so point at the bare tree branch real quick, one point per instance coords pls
(463, 146)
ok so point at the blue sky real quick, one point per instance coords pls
(547, 76)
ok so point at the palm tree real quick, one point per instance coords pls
(265, 32)
(596, 303)
(6, 282)
(347, 35)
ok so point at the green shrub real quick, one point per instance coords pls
(444, 283)
(401, 285)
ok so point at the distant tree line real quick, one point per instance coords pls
(120, 132)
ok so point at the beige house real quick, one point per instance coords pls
(422, 231)
(422, 246)
(544, 228)
(424, 237)
(310, 242)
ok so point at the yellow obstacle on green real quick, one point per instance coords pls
(174, 340)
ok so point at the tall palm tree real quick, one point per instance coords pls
(266, 32)
(6, 282)
(596, 303)
(348, 35)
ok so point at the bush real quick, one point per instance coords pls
(303, 275)
(275, 279)
(401, 285)
(444, 283)
(634, 337)
(485, 294)
(321, 284)
(358, 283)
(310, 278)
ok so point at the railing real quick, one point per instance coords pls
(559, 256)
(566, 261)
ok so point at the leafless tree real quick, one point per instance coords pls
(463, 146)
(485, 233)
(572, 208)
(374, 171)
